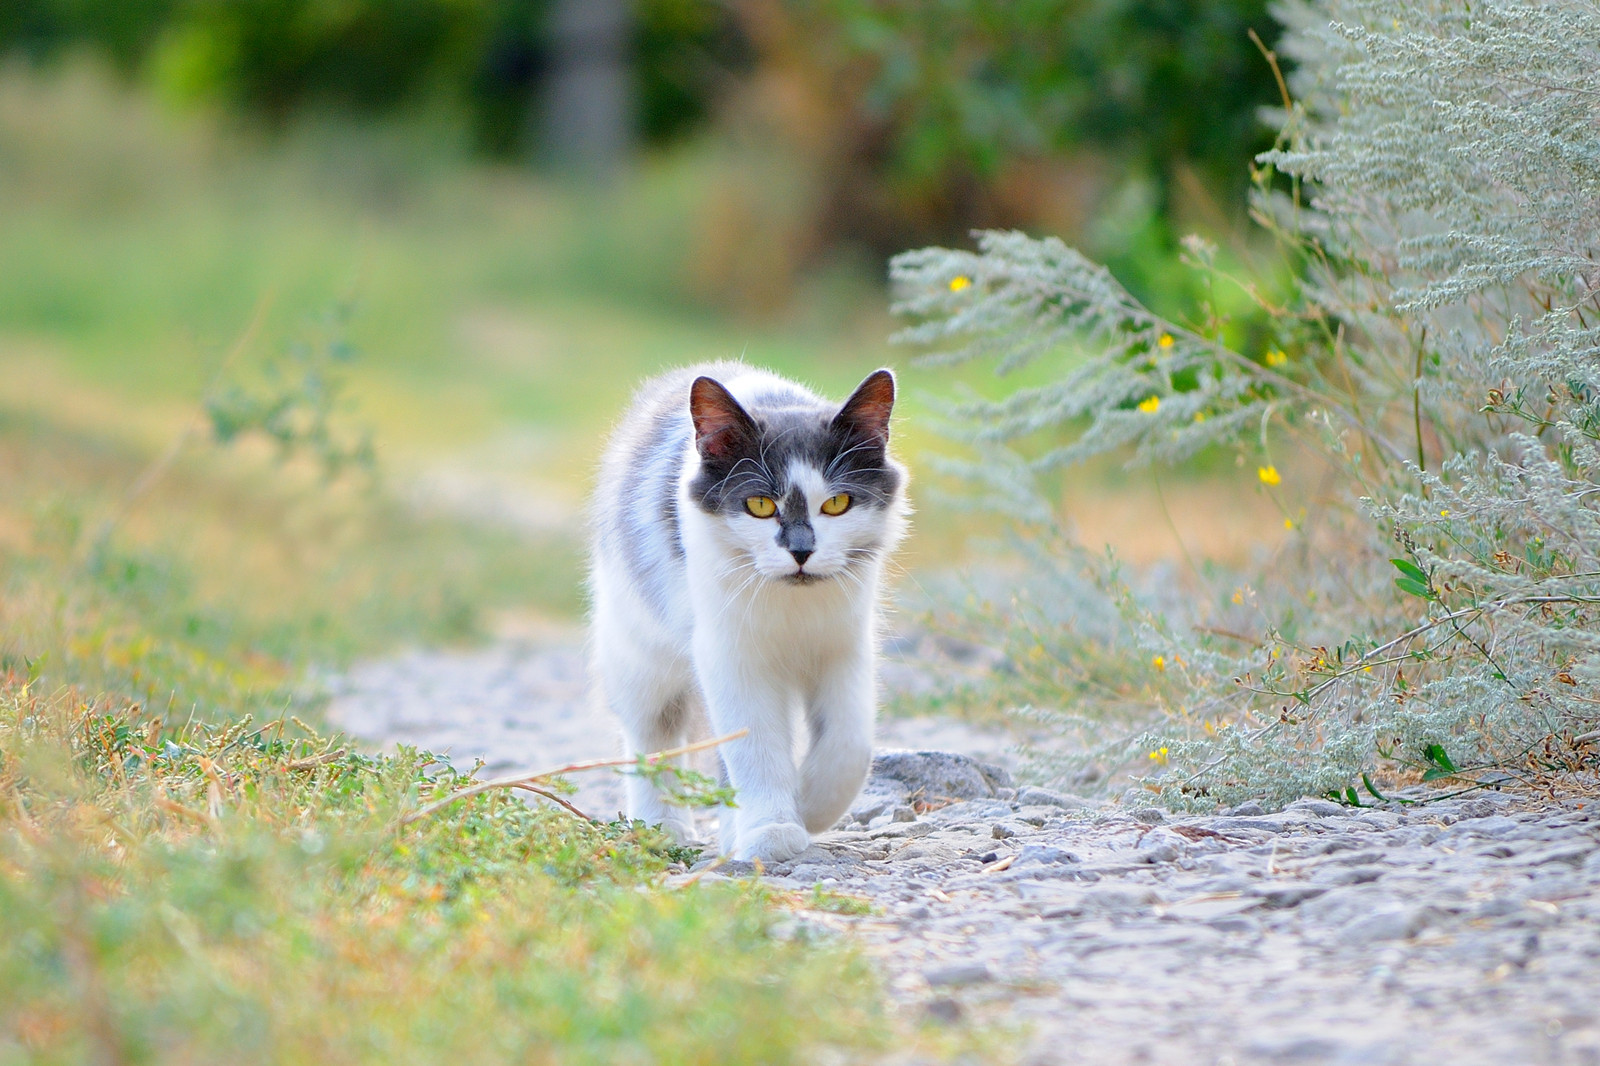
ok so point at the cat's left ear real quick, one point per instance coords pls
(866, 413)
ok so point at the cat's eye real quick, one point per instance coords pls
(836, 505)
(761, 506)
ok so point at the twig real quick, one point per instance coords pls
(315, 760)
(1272, 61)
(1230, 634)
(593, 764)
(553, 798)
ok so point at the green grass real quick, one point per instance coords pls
(190, 894)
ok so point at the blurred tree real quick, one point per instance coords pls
(941, 111)
(588, 123)
(493, 57)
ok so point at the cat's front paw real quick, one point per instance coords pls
(776, 842)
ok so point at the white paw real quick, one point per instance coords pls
(775, 842)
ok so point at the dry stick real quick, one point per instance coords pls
(523, 780)
(553, 798)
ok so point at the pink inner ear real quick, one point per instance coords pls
(718, 418)
(870, 406)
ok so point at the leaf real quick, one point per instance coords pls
(1411, 570)
(1366, 780)
(1352, 796)
(1442, 764)
(1406, 584)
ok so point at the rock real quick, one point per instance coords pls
(1551, 889)
(1398, 923)
(944, 1009)
(1318, 808)
(904, 814)
(1282, 897)
(958, 974)
(1043, 855)
(1002, 831)
(1568, 854)
(930, 775)
(870, 804)
(1347, 875)
(1248, 809)
(902, 829)
(1150, 815)
(1032, 796)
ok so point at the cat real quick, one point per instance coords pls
(739, 535)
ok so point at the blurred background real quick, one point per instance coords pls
(313, 313)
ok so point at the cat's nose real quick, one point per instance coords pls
(800, 557)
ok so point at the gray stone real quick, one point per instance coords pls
(958, 974)
(1282, 897)
(870, 804)
(1399, 923)
(1043, 855)
(1032, 796)
(1150, 815)
(1568, 854)
(904, 814)
(931, 775)
(1318, 808)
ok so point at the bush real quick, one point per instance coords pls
(1434, 190)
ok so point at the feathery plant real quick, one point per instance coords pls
(1436, 191)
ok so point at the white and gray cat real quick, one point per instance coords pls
(740, 531)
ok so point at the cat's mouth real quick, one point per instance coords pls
(800, 577)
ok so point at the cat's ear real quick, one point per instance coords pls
(866, 413)
(721, 426)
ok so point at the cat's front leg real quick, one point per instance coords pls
(839, 713)
(766, 823)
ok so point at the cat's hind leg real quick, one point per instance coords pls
(839, 715)
(648, 689)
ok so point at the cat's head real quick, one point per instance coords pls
(802, 490)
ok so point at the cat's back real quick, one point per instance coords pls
(634, 520)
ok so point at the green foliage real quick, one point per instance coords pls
(487, 57)
(296, 402)
(247, 893)
(1434, 191)
(962, 87)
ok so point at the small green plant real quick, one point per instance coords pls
(251, 891)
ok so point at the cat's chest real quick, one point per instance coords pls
(786, 623)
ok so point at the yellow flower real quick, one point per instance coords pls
(1165, 341)
(1160, 756)
(1238, 595)
(1159, 662)
(1268, 474)
(1288, 523)
(1444, 514)
(1199, 416)
(959, 282)
(1151, 405)
(1277, 358)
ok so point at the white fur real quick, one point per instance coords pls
(722, 631)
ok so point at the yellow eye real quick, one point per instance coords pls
(761, 506)
(836, 505)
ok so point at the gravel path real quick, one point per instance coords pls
(1464, 931)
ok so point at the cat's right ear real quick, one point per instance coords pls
(721, 427)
